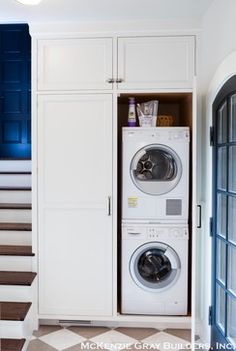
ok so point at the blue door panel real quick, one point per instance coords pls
(223, 331)
(217, 338)
(15, 92)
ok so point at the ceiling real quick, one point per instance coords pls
(102, 10)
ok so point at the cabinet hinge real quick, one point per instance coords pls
(211, 136)
(211, 227)
(210, 315)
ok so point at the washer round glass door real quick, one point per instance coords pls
(155, 266)
(156, 169)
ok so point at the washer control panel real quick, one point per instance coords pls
(157, 233)
(154, 232)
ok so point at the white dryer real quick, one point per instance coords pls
(154, 269)
(155, 182)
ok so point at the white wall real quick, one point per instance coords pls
(218, 37)
(217, 64)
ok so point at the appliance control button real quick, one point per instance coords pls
(175, 233)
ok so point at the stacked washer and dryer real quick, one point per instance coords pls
(155, 198)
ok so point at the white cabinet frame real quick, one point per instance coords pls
(40, 88)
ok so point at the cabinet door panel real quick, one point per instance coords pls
(76, 134)
(156, 62)
(74, 182)
(75, 64)
(75, 263)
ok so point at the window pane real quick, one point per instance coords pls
(232, 270)
(231, 309)
(222, 124)
(221, 260)
(232, 120)
(221, 215)
(222, 168)
(232, 168)
(220, 307)
(232, 219)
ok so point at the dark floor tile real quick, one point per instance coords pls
(46, 329)
(88, 332)
(180, 333)
(137, 333)
(38, 345)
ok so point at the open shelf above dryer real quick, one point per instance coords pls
(178, 105)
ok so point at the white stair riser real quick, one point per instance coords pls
(16, 293)
(18, 330)
(11, 329)
(15, 216)
(15, 166)
(16, 263)
(15, 180)
(16, 197)
(8, 237)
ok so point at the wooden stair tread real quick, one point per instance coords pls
(15, 158)
(12, 206)
(15, 250)
(14, 172)
(16, 226)
(14, 311)
(10, 188)
(11, 344)
(16, 278)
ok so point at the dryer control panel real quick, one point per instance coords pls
(156, 134)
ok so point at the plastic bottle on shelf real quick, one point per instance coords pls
(132, 113)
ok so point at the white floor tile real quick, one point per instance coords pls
(163, 342)
(62, 339)
(113, 340)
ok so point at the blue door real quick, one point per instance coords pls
(15, 92)
(224, 218)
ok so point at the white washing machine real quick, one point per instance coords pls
(154, 269)
(155, 182)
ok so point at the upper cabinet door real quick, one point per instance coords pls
(75, 64)
(155, 62)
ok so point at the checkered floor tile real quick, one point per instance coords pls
(56, 338)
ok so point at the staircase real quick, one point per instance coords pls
(17, 281)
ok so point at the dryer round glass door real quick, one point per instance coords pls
(156, 169)
(155, 266)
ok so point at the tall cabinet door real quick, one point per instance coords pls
(74, 192)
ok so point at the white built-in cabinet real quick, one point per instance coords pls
(155, 62)
(142, 63)
(74, 191)
(75, 64)
(77, 93)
